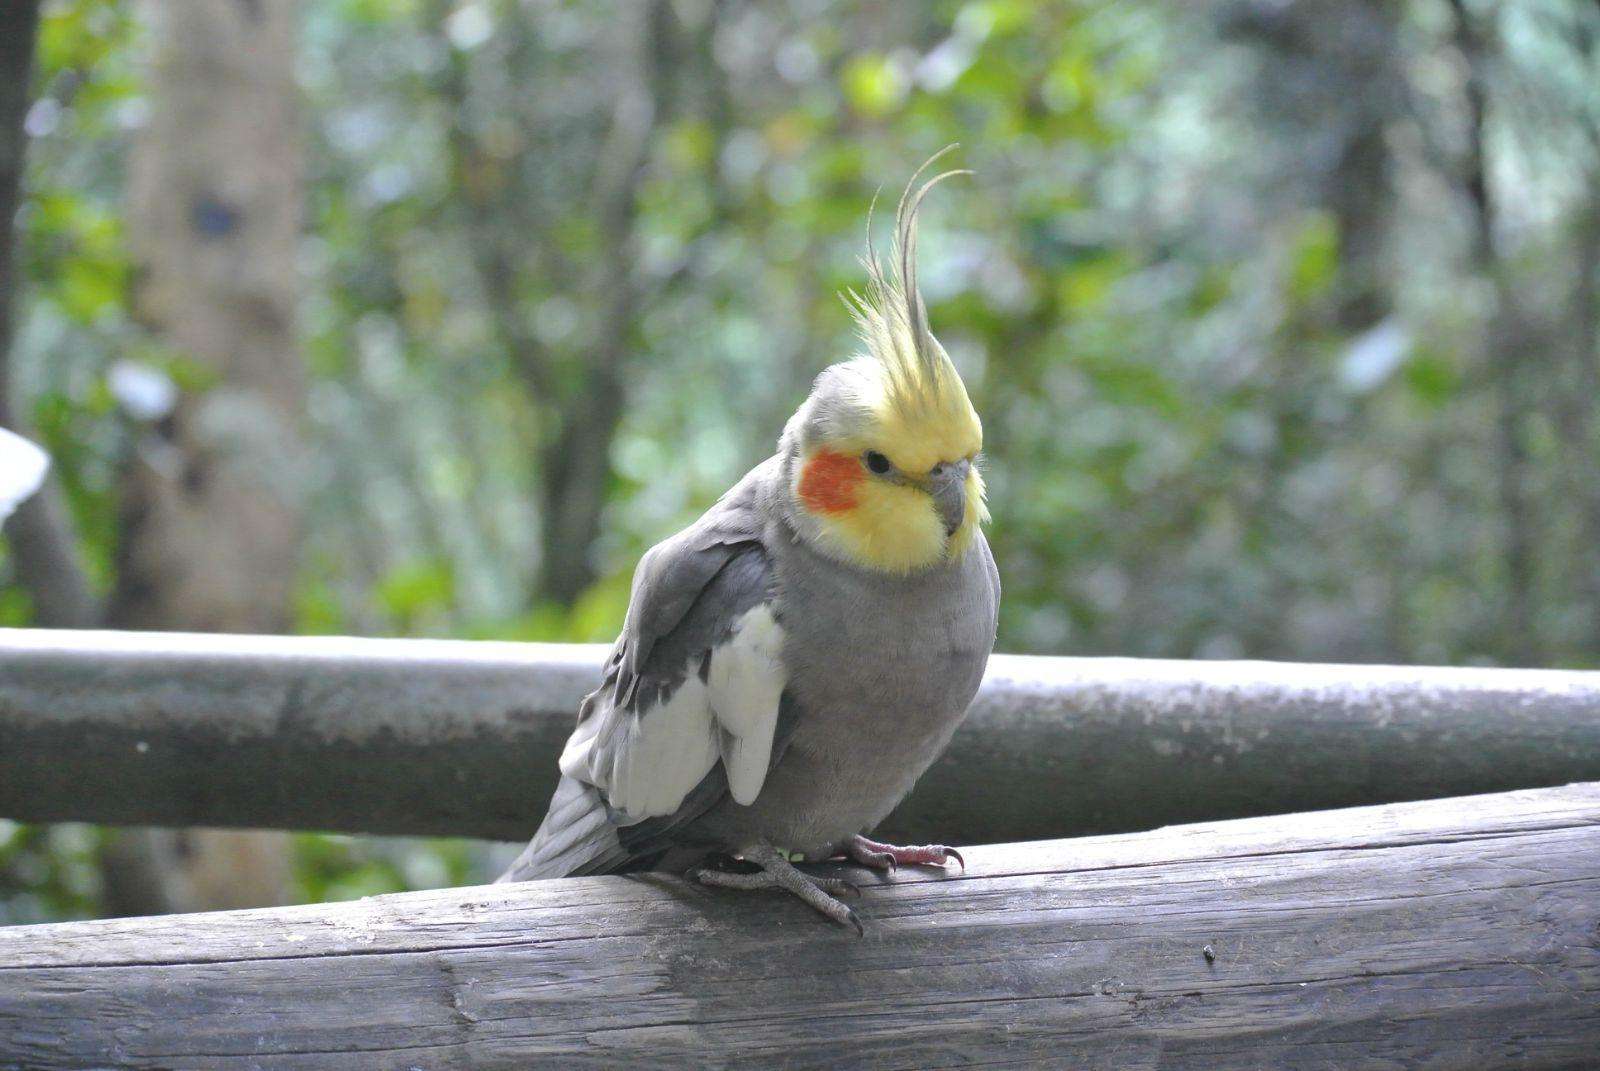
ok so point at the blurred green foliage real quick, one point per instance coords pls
(48, 873)
(1215, 288)
(345, 868)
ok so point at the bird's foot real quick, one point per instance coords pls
(774, 871)
(882, 856)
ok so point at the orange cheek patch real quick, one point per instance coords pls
(828, 482)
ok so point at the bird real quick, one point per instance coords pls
(793, 661)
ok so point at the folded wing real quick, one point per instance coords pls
(706, 690)
(689, 708)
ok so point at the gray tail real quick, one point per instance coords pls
(576, 837)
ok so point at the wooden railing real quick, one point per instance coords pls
(460, 738)
(1458, 932)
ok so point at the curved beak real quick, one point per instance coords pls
(948, 485)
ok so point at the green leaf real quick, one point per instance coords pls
(1314, 259)
(416, 589)
(1432, 378)
(873, 85)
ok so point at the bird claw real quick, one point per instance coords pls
(774, 871)
(876, 860)
(764, 867)
(872, 853)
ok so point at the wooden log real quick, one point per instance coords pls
(461, 738)
(1457, 933)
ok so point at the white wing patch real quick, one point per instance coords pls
(647, 766)
(22, 469)
(745, 684)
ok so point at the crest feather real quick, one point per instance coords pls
(892, 317)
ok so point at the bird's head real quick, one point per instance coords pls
(882, 458)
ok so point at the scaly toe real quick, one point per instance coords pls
(864, 850)
(838, 886)
(833, 910)
(932, 855)
(858, 851)
(819, 894)
(877, 861)
(777, 872)
(727, 879)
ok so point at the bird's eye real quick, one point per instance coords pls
(877, 462)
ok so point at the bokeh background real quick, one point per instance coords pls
(427, 317)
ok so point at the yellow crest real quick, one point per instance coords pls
(902, 403)
(924, 414)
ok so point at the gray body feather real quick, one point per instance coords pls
(878, 670)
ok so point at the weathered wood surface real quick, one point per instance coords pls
(1457, 933)
(439, 737)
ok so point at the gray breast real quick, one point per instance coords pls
(882, 670)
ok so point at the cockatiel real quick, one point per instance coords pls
(793, 661)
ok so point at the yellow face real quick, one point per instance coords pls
(881, 499)
(889, 440)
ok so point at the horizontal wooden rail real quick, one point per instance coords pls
(451, 737)
(1455, 933)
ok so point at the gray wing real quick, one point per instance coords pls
(689, 710)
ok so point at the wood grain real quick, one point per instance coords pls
(1457, 933)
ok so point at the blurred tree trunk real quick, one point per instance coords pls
(1329, 82)
(1586, 399)
(1510, 359)
(1583, 402)
(1331, 77)
(211, 514)
(579, 401)
(18, 27)
(576, 461)
(1358, 187)
(39, 533)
